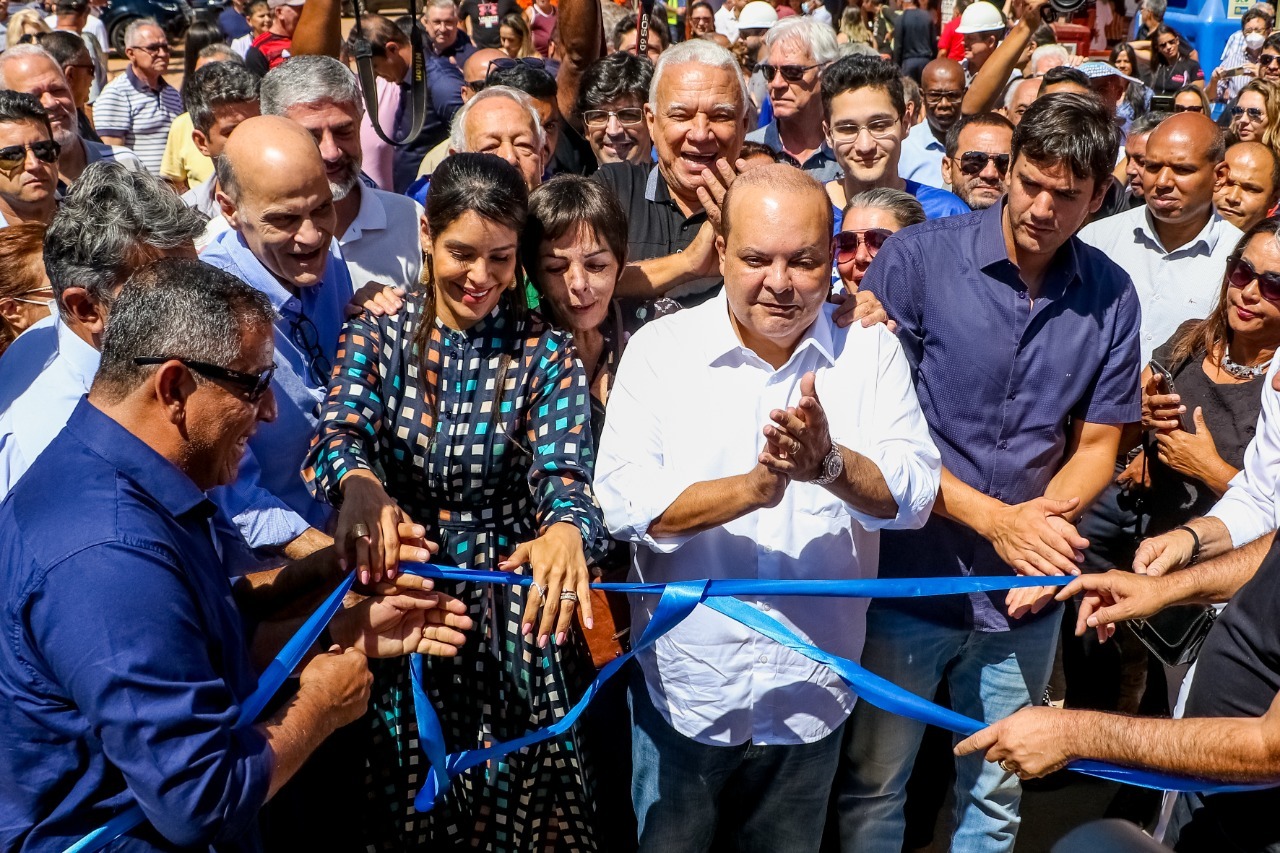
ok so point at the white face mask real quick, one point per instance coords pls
(1253, 41)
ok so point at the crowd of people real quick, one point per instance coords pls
(753, 291)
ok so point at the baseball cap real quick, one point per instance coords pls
(757, 15)
(1093, 70)
(981, 17)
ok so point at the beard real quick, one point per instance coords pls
(342, 187)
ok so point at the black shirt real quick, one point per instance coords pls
(916, 38)
(656, 227)
(1238, 675)
(484, 19)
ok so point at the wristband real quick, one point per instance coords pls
(1195, 547)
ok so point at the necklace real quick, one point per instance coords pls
(1242, 371)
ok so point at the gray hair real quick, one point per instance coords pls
(309, 80)
(903, 207)
(857, 48)
(697, 51)
(220, 51)
(458, 130)
(110, 217)
(1156, 7)
(439, 4)
(1012, 92)
(26, 51)
(131, 31)
(1044, 51)
(1145, 123)
(177, 308)
(818, 38)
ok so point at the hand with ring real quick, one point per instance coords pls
(373, 534)
(561, 582)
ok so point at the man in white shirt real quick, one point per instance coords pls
(809, 439)
(377, 231)
(1175, 247)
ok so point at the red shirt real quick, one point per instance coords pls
(951, 41)
(275, 48)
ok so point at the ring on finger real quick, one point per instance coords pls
(360, 530)
(542, 593)
(568, 595)
(1005, 766)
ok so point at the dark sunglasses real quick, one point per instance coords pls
(254, 385)
(1255, 114)
(973, 162)
(13, 156)
(935, 98)
(1191, 108)
(847, 242)
(507, 62)
(1240, 273)
(476, 85)
(790, 73)
(1267, 58)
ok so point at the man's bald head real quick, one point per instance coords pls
(781, 177)
(942, 74)
(477, 65)
(1193, 133)
(1178, 172)
(269, 155)
(273, 191)
(942, 85)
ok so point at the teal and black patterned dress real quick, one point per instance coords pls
(482, 471)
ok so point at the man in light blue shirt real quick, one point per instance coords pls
(942, 85)
(275, 196)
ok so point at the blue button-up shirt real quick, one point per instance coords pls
(998, 377)
(281, 446)
(123, 660)
(821, 164)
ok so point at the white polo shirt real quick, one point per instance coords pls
(381, 244)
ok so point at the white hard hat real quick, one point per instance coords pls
(757, 15)
(981, 17)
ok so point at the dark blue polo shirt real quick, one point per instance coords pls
(124, 659)
(998, 378)
(444, 85)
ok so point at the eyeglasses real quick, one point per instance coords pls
(13, 156)
(626, 116)
(476, 85)
(1267, 58)
(1254, 114)
(935, 98)
(304, 333)
(153, 49)
(847, 242)
(790, 73)
(1188, 108)
(1240, 273)
(973, 162)
(879, 129)
(45, 293)
(254, 385)
(507, 62)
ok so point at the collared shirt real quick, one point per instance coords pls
(999, 375)
(306, 338)
(1175, 286)
(1234, 55)
(130, 109)
(1251, 506)
(182, 160)
(382, 244)
(727, 23)
(921, 158)
(821, 164)
(202, 198)
(714, 680)
(124, 660)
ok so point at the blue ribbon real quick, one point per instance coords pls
(679, 599)
(269, 682)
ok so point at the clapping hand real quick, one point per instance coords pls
(799, 438)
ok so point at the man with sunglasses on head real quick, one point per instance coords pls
(28, 161)
(136, 108)
(797, 50)
(923, 149)
(976, 165)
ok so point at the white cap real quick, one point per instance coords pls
(981, 17)
(757, 15)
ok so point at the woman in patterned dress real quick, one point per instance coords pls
(470, 417)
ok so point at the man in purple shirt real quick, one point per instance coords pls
(1024, 348)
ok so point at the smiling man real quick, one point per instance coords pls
(611, 103)
(1247, 185)
(820, 444)
(274, 192)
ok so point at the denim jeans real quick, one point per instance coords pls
(753, 799)
(990, 676)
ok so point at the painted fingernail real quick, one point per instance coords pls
(560, 639)
(542, 641)
(590, 623)
(527, 629)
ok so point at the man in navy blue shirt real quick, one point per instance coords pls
(865, 109)
(1024, 348)
(125, 660)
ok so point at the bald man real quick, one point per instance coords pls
(275, 197)
(942, 86)
(820, 444)
(1247, 185)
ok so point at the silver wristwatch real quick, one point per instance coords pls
(832, 467)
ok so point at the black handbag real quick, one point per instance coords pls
(1175, 634)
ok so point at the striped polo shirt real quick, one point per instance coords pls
(130, 109)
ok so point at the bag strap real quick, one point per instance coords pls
(420, 95)
(642, 26)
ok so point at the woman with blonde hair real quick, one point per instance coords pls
(22, 24)
(514, 37)
(1255, 117)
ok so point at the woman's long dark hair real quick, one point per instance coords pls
(1214, 332)
(1157, 58)
(199, 36)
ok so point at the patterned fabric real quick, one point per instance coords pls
(482, 471)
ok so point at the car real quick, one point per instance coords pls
(174, 17)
